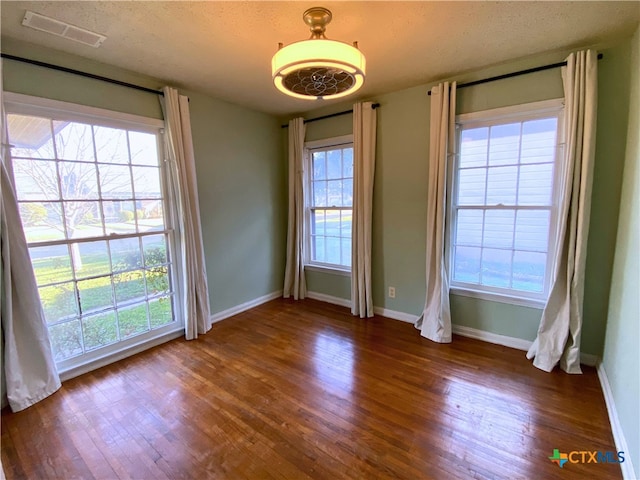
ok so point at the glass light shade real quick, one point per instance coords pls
(318, 68)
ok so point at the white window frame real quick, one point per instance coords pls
(20, 104)
(309, 147)
(524, 112)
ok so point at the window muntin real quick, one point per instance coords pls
(91, 198)
(504, 200)
(330, 203)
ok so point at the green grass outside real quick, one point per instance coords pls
(59, 301)
(100, 330)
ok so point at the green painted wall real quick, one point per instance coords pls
(400, 192)
(241, 175)
(621, 358)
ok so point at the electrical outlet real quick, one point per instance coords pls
(392, 292)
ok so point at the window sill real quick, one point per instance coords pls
(104, 356)
(498, 297)
(326, 269)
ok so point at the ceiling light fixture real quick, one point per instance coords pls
(318, 68)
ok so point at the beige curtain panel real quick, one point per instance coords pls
(435, 321)
(28, 366)
(294, 280)
(558, 339)
(364, 161)
(179, 147)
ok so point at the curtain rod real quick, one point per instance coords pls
(515, 74)
(331, 115)
(82, 74)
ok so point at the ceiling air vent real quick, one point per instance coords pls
(62, 29)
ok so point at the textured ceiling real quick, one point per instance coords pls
(225, 48)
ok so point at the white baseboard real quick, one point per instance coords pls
(395, 315)
(512, 342)
(230, 312)
(343, 302)
(628, 473)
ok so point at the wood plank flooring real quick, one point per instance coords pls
(303, 390)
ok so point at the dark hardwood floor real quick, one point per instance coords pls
(298, 390)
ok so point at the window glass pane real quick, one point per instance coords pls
(501, 185)
(319, 166)
(317, 248)
(496, 267)
(66, 340)
(157, 280)
(115, 182)
(65, 195)
(498, 228)
(58, 301)
(334, 164)
(147, 182)
(466, 266)
(90, 259)
(133, 320)
(30, 136)
(346, 251)
(536, 184)
(74, 141)
(334, 193)
(78, 181)
(144, 148)
(119, 217)
(508, 165)
(528, 271)
(504, 144)
(125, 254)
(347, 193)
(532, 230)
(332, 223)
(51, 264)
(473, 147)
(347, 162)
(471, 186)
(320, 194)
(99, 330)
(36, 179)
(332, 186)
(333, 250)
(317, 222)
(345, 220)
(41, 221)
(95, 295)
(469, 227)
(160, 312)
(83, 219)
(111, 145)
(155, 250)
(129, 286)
(150, 215)
(539, 140)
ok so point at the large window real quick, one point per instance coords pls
(92, 198)
(329, 202)
(504, 200)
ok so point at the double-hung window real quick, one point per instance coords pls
(504, 202)
(92, 196)
(329, 202)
